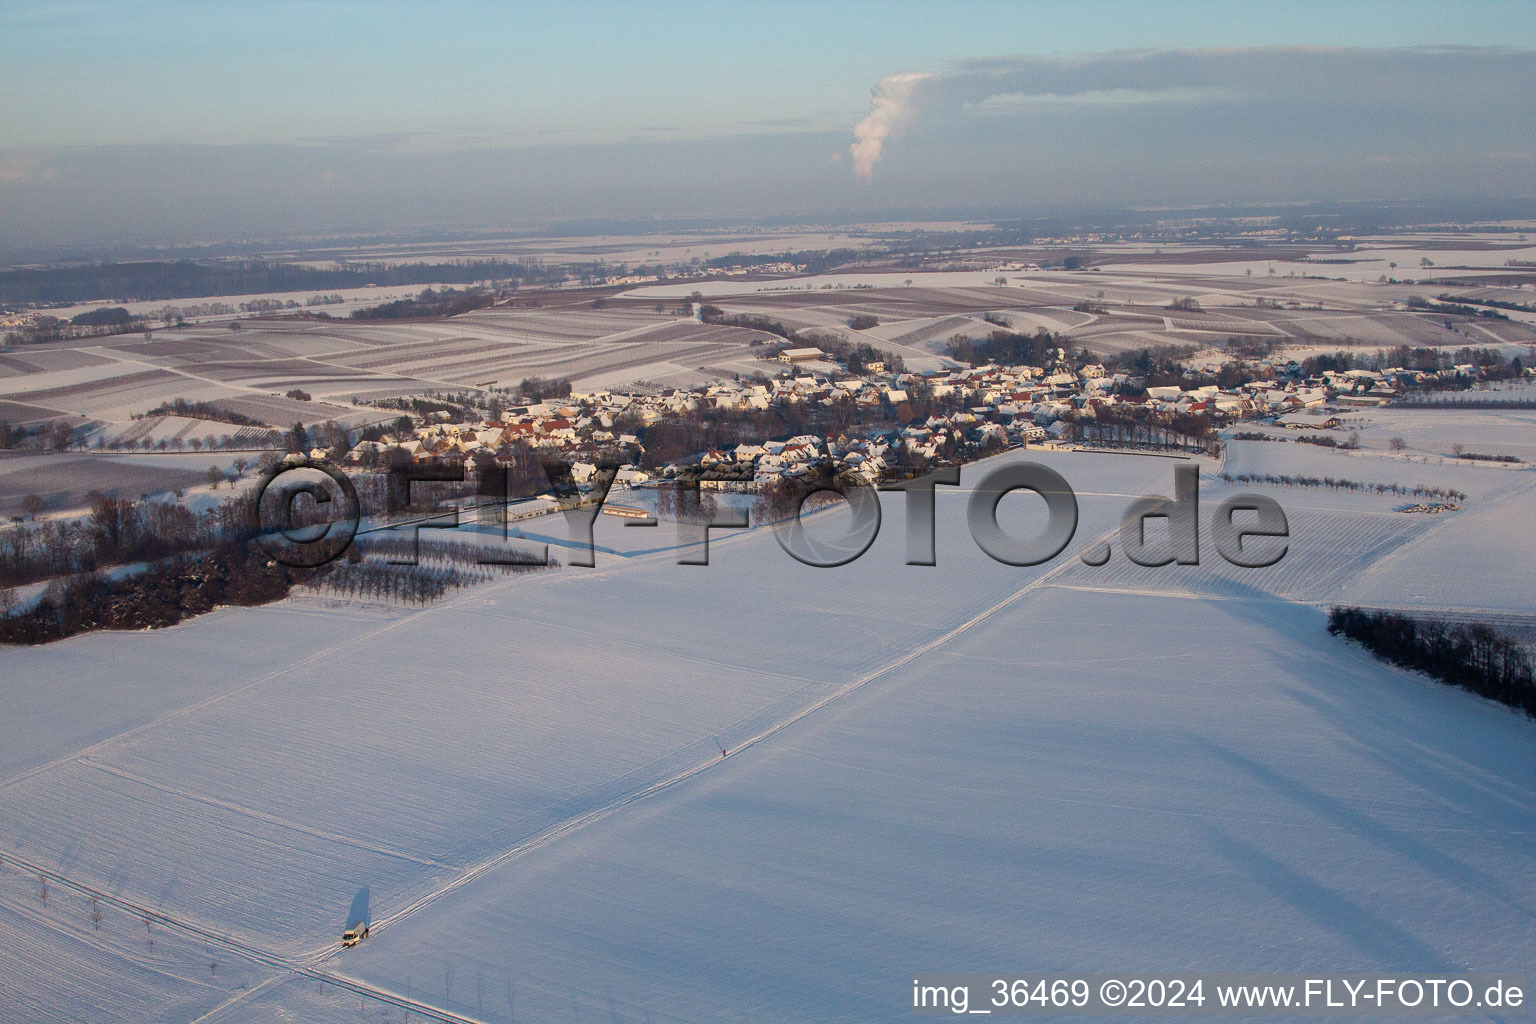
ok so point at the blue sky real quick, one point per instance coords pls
(141, 72)
(141, 119)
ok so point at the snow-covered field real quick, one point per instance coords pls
(641, 340)
(63, 480)
(965, 767)
(970, 766)
(1077, 782)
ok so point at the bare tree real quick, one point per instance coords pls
(95, 914)
(33, 505)
(42, 888)
(1397, 444)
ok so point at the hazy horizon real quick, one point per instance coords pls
(163, 121)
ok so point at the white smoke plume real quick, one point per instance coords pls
(1455, 81)
(892, 113)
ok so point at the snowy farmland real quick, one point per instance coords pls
(966, 766)
(755, 790)
(639, 338)
(644, 341)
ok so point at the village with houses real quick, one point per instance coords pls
(876, 426)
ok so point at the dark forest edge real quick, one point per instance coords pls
(1470, 656)
(239, 574)
(147, 564)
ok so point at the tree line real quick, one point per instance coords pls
(119, 531)
(710, 314)
(1471, 656)
(201, 411)
(1339, 483)
(1427, 402)
(1455, 308)
(240, 573)
(1006, 348)
(537, 389)
(1132, 426)
(398, 584)
(197, 562)
(428, 303)
(185, 279)
(400, 548)
(1523, 307)
(162, 594)
(55, 436)
(51, 328)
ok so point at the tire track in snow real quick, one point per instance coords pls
(581, 821)
(311, 965)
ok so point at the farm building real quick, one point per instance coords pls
(1309, 420)
(626, 511)
(800, 355)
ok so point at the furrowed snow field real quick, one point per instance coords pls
(1476, 559)
(963, 767)
(76, 970)
(501, 712)
(64, 699)
(1472, 559)
(1081, 782)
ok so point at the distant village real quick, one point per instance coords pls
(893, 425)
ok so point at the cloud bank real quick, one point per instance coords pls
(1428, 86)
(1149, 128)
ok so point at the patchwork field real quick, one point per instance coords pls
(637, 339)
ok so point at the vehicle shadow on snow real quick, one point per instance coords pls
(360, 912)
